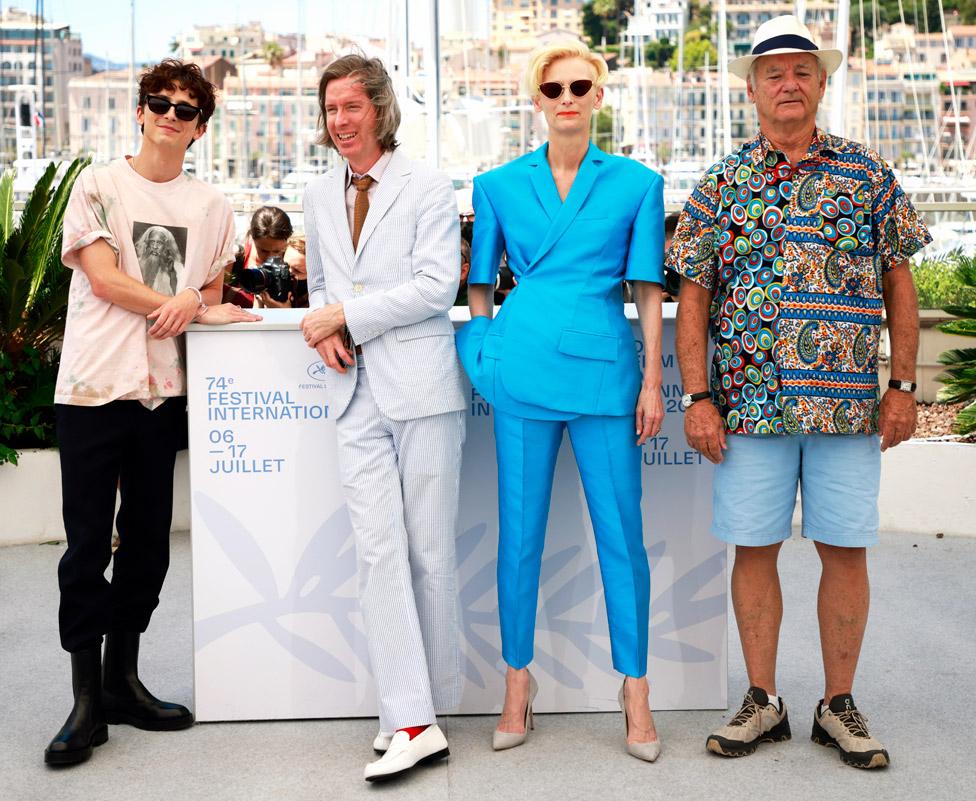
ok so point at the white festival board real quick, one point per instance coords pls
(277, 628)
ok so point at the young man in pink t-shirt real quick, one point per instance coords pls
(148, 245)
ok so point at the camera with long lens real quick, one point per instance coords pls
(272, 276)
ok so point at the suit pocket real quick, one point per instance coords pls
(431, 327)
(585, 345)
(492, 348)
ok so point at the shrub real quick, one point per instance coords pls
(26, 402)
(960, 375)
(939, 284)
(33, 308)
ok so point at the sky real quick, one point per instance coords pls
(104, 25)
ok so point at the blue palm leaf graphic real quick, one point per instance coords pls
(686, 609)
(469, 594)
(676, 608)
(551, 565)
(682, 611)
(557, 669)
(243, 551)
(327, 563)
(238, 545)
(580, 588)
(466, 543)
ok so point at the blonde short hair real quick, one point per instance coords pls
(540, 60)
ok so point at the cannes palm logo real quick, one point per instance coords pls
(317, 371)
(572, 612)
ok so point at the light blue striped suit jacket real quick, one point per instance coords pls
(396, 288)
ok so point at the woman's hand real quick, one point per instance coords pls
(650, 413)
(226, 313)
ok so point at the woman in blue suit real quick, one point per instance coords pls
(574, 223)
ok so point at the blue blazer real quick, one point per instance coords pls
(561, 345)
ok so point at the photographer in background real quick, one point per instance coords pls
(267, 239)
(297, 283)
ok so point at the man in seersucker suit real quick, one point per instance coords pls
(383, 238)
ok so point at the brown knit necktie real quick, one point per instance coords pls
(361, 207)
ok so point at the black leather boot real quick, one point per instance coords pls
(125, 698)
(85, 726)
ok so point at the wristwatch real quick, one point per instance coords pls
(692, 397)
(904, 386)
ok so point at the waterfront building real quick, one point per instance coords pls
(517, 24)
(37, 59)
(230, 42)
(654, 20)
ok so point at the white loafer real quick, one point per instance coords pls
(404, 753)
(381, 743)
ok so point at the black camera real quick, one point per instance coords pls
(272, 276)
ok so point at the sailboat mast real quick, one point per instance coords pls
(838, 91)
(723, 61)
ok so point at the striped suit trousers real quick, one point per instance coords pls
(401, 480)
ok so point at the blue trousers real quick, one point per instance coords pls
(610, 468)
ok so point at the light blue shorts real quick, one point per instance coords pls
(839, 476)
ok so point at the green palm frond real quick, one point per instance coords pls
(959, 378)
(967, 270)
(33, 308)
(963, 327)
(960, 384)
(961, 311)
(6, 205)
(958, 356)
(966, 420)
(48, 232)
(33, 283)
(19, 242)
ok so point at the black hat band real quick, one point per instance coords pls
(785, 40)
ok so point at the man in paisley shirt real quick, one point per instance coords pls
(789, 250)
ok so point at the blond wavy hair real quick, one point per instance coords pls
(540, 60)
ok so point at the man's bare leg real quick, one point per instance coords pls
(842, 609)
(758, 604)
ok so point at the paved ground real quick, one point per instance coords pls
(917, 683)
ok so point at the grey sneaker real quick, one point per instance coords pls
(758, 721)
(841, 726)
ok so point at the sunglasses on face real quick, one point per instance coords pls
(554, 90)
(161, 105)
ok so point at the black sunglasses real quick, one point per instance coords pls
(554, 90)
(161, 105)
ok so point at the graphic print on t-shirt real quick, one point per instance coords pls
(161, 250)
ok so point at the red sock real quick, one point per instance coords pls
(413, 731)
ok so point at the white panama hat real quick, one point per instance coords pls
(785, 34)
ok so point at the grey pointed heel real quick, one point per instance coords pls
(502, 740)
(646, 751)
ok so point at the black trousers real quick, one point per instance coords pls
(121, 444)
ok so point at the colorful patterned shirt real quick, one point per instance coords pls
(794, 256)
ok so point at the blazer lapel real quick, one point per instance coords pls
(335, 197)
(542, 181)
(583, 183)
(390, 185)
